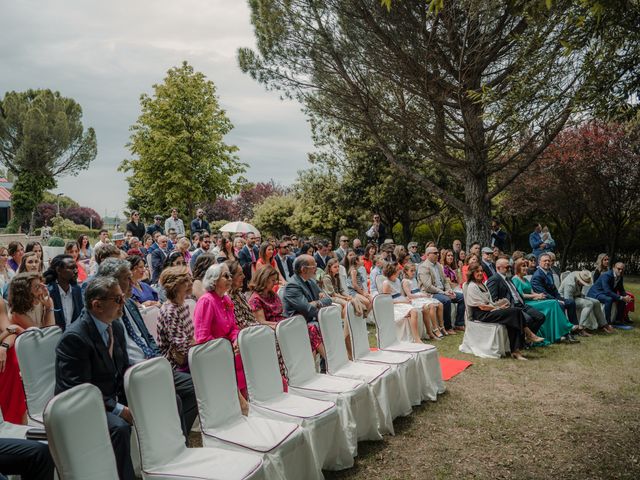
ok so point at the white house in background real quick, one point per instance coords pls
(5, 201)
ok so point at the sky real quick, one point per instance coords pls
(106, 54)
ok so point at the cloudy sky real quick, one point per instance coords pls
(105, 54)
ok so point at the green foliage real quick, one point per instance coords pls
(274, 215)
(66, 228)
(182, 159)
(65, 201)
(41, 138)
(217, 225)
(56, 242)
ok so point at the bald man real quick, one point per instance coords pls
(302, 296)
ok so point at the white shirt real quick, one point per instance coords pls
(178, 225)
(67, 304)
(512, 288)
(136, 355)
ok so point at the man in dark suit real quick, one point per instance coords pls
(322, 255)
(158, 256)
(248, 256)
(140, 344)
(93, 350)
(199, 224)
(542, 282)
(283, 261)
(498, 236)
(609, 290)
(488, 266)
(302, 294)
(500, 286)
(61, 278)
(29, 459)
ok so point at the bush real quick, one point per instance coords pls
(56, 242)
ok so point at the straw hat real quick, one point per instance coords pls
(584, 277)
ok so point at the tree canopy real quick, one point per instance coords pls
(41, 138)
(181, 157)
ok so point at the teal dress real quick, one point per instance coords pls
(556, 324)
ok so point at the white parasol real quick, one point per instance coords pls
(239, 227)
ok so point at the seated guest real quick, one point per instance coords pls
(532, 264)
(602, 265)
(556, 327)
(226, 252)
(555, 269)
(241, 309)
(158, 257)
(448, 260)
(85, 250)
(205, 244)
(16, 252)
(542, 282)
(333, 288)
(487, 262)
(432, 309)
(414, 255)
(248, 256)
(201, 266)
(357, 247)
(432, 279)
(175, 329)
(483, 309)
(214, 318)
(498, 236)
(474, 249)
(156, 226)
(343, 246)
(29, 459)
(6, 274)
(307, 249)
(267, 257)
(29, 301)
(63, 289)
(141, 292)
(140, 344)
(93, 350)
(174, 259)
(357, 284)
(302, 295)
(71, 248)
(322, 255)
(609, 290)
(13, 404)
(101, 254)
(183, 245)
(267, 308)
(369, 257)
(36, 247)
(403, 310)
(591, 315)
(471, 260)
(501, 287)
(238, 244)
(30, 263)
(376, 271)
(284, 261)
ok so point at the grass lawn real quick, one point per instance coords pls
(572, 412)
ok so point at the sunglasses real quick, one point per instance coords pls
(118, 299)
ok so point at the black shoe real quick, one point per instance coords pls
(627, 321)
(568, 338)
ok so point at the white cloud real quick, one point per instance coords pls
(105, 54)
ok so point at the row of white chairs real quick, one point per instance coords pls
(316, 424)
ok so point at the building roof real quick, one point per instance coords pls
(5, 195)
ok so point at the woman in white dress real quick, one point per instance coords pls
(402, 307)
(432, 309)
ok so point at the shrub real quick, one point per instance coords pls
(56, 242)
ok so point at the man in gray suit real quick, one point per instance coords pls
(302, 296)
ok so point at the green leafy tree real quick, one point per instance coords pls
(273, 216)
(182, 159)
(41, 138)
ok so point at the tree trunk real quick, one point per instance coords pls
(478, 213)
(406, 230)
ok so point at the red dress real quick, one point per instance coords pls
(12, 399)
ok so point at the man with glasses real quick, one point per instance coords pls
(205, 245)
(302, 294)
(93, 350)
(135, 226)
(156, 226)
(158, 257)
(283, 261)
(609, 290)
(341, 251)
(414, 255)
(357, 247)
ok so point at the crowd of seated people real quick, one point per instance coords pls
(96, 295)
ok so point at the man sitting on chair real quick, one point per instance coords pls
(609, 290)
(302, 294)
(542, 282)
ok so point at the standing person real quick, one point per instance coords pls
(135, 225)
(61, 279)
(483, 309)
(591, 314)
(248, 257)
(498, 236)
(542, 282)
(174, 222)
(16, 252)
(377, 231)
(199, 224)
(156, 226)
(538, 246)
(609, 290)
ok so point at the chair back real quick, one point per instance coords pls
(333, 338)
(11, 430)
(358, 333)
(216, 388)
(342, 272)
(379, 281)
(150, 319)
(258, 351)
(78, 435)
(383, 316)
(293, 338)
(152, 399)
(36, 352)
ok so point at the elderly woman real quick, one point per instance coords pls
(183, 246)
(483, 309)
(175, 329)
(214, 316)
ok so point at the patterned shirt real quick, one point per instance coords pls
(175, 333)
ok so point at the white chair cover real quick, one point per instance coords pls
(355, 403)
(286, 454)
(11, 430)
(403, 362)
(319, 419)
(152, 400)
(36, 352)
(426, 356)
(78, 435)
(150, 319)
(484, 340)
(392, 399)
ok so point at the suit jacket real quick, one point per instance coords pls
(499, 239)
(198, 225)
(288, 265)
(542, 282)
(244, 255)
(569, 288)
(58, 312)
(605, 285)
(157, 261)
(499, 289)
(427, 281)
(83, 357)
(137, 230)
(321, 261)
(135, 314)
(297, 297)
(488, 269)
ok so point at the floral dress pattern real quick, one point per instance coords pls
(175, 334)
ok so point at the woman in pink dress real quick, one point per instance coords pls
(214, 318)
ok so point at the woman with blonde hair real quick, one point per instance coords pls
(602, 265)
(183, 245)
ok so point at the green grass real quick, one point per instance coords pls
(571, 412)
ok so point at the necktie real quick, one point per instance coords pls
(110, 340)
(146, 349)
(253, 255)
(514, 292)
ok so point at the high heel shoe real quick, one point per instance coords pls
(535, 339)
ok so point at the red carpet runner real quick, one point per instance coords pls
(452, 367)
